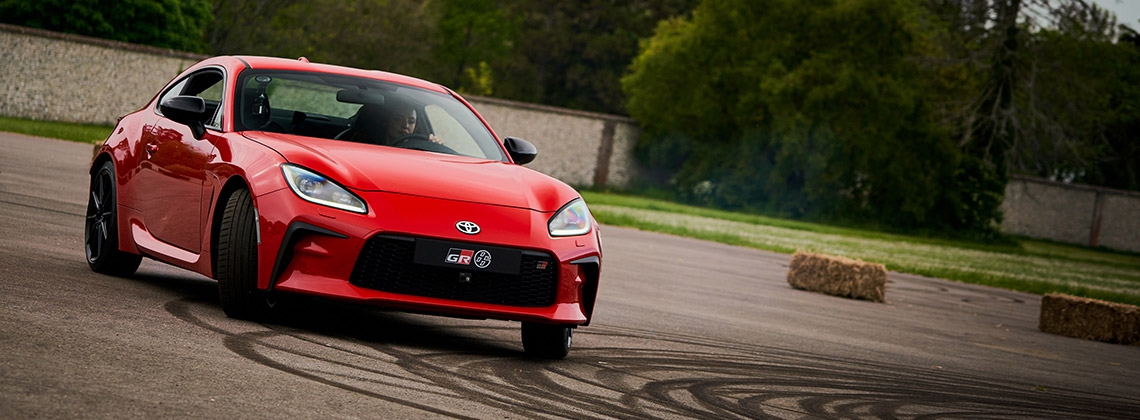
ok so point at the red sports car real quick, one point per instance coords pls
(284, 176)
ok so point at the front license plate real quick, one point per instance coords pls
(465, 256)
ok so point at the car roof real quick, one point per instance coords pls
(301, 64)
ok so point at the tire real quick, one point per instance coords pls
(237, 260)
(101, 229)
(547, 341)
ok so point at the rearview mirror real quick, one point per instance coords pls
(188, 110)
(521, 151)
(358, 96)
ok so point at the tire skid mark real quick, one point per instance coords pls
(245, 345)
(56, 205)
(507, 390)
(833, 372)
(649, 374)
(342, 349)
(263, 342)
(543, 390)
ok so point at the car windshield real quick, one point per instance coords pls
(360, 110)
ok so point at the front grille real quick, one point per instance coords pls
(387, 264)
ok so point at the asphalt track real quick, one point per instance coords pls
(684, 329)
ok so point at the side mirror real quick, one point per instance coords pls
(188, 110)
(521, 151)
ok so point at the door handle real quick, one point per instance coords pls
(151, 148)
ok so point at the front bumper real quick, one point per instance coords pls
(310, 249)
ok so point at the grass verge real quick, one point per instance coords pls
(1026, 265)
(86, 133)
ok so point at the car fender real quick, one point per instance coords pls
(262, 175)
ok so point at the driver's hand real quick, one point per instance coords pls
(434, 139)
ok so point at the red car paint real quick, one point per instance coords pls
(172, 187)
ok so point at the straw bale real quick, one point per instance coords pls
(838, 276)
(1090, 319)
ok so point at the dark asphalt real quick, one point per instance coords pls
(684, 329)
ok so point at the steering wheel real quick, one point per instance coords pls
(419, 141)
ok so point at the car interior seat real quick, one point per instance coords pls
(368, 125)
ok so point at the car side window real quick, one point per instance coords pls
(448, 129)
(208, 85)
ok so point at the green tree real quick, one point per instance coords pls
(472, 34)
(392, 35)
(1081, 110)
(813, 109)
(573, 54)
(245, 26)
(175, 24)
(1044, 90)
(569, 54)
(1120, 164)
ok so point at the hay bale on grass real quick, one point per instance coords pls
(1090, 319)
(838, 276)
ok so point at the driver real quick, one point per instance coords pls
(386, 125)
(401, 121)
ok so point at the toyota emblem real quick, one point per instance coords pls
(469, 228)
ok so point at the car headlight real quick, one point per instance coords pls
(315, 188)
(571, 220)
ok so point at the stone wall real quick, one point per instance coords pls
(1070, 213)
(580, 148)
(58, 77)
(47, 75)
(1120, 222)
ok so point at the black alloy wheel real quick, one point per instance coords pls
(100, 233)
(547, 341)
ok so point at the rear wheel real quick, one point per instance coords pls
(101, 231)
(237, 259)
(547, 341)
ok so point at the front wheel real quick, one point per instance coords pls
(547, 341)
(101, 232)
(237, 259)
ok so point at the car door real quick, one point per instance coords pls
(172, 172)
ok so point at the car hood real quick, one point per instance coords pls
(365, 167)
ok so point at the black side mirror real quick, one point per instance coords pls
(188, 110)
(521, 151)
